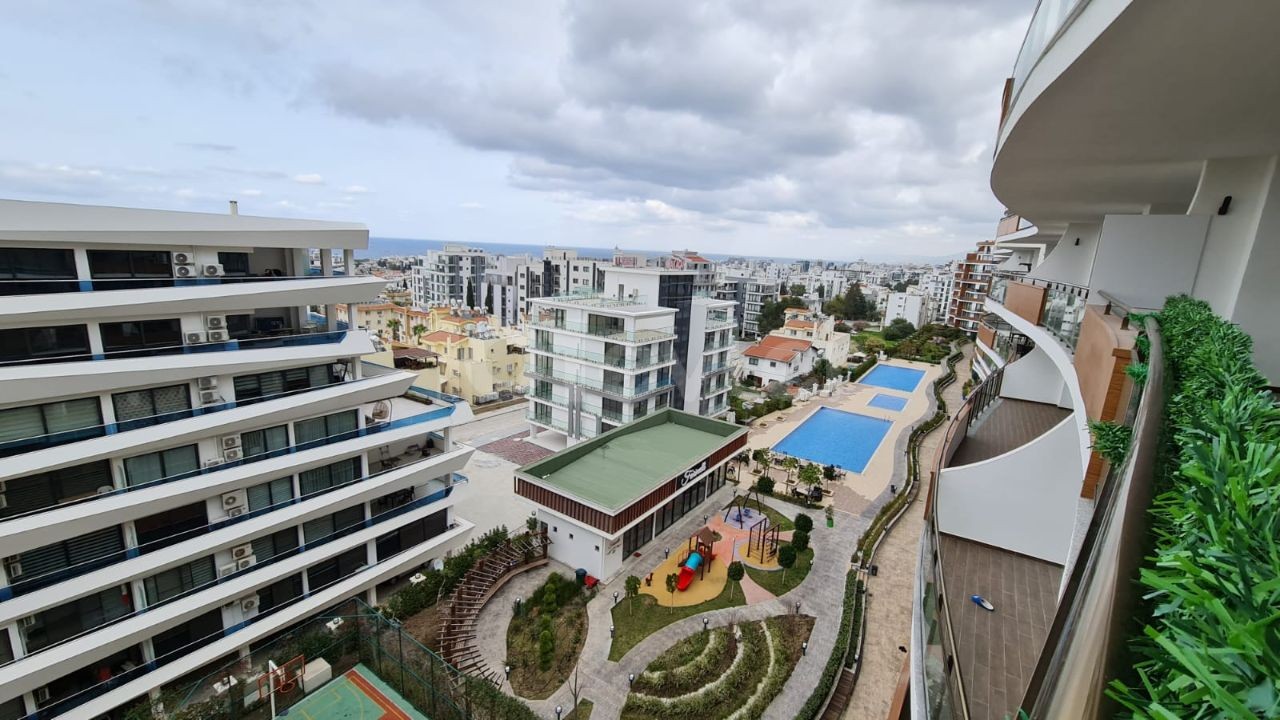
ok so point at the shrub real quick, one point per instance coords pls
(546, 649)
(800, 540)
(899, 329)
(765, 485)
(1110, 440)
(803, 523)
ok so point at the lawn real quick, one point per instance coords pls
(647, 617)
(568, 627)
(860, 338)
(582, 712)
(773, 581)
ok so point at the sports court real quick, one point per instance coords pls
(357, 694)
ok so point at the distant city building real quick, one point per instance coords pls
(451, 275)
(912, 306)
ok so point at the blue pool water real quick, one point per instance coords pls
(893, 377)
(888, 402)
(836, 437)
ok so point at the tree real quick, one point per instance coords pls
(822, 369)
(418, 331)
(822, 291)
(575, 690)
(796, 289)
(471, 296)
(810, 475)
(633, 589)
(856, 305)
(873, 346)
(760, 455)
(672, 579)
(803, 522)
(800, 541)
(899, 329)
(786, 558)
(834, 308)
(900, 287)
(771, 313)
(743, 458)
(736, 571)
(394, 326)
(765, 463)
(488, 307)
(765, 484)
(840, 327)
(790, 464)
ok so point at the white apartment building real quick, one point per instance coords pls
(502, 282)
(596, 362)
(755, 292)
(912, 306)
(559, 272)
(190, 464)
(708, 367)
(452, 275)
(938, 287)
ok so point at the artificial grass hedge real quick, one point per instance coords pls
(822, 688)
(1209, 645)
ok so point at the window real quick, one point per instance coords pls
(176, 581)
(35, 492)
(640, 409)
(100, 545)
(269, 494)
(19, 267)
(257, 442)
(277, 543)
(324, 528)
(49, 424)
(264, 386)
(70, 619)
(773, 364)
(122, 269)
(174, 641)
(414, 533)
(327, 572)
(234, 263)
(279, 593)
(150, 467)
(322, 478)
(62, 343)
(661, 401)
(324, 427)
(141, 408)
(141, 334)
(753, 361)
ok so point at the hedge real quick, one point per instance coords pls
(822, 688)
(1209, 641)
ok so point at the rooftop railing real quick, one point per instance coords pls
(258, 341)
(608, 333)
(625, 363)
(42, 286)
(1047, 23)
(619, 390)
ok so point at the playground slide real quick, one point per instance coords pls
(686, 572)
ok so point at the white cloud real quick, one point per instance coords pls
(356, 190)
(309, 178)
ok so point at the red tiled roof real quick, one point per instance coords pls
(443, 336)
(773, 347)
(786, 343)
(413, 352)
(807, 324)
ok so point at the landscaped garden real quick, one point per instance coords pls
(731, 671)
(639, 616)
(545, 637)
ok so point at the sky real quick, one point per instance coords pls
(800, 128)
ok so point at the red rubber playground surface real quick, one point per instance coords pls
(357, 694)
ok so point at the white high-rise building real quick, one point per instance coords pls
(193, 459)
(454, 275)
(911, 306)
(938, 287)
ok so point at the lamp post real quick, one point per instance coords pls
(797, 607)
(631, 679)
(804, 648)
(610, 632)
(558, 711)
(666, 553)
(704, 624)
(615, 597)
(507, 670)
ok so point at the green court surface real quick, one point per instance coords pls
(357, 694)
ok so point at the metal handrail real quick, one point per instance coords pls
(288, 337)
(77, 284)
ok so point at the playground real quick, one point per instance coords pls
(357, 694)
(701, 571)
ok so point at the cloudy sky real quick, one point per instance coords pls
(860, 128)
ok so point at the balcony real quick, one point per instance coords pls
(627, 336)
(1058, 307)
(623, 363)
(614, 389)
(722, 321)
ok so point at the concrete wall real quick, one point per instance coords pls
(1142, 259)
(573, 544)
(1102, 354)
(1071, 262)
(1023, 501)
(1255, 307)
(1034, 378)
(1230, 237)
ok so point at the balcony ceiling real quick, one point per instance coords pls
(1127, 123)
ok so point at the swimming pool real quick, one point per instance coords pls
(893, 377)
(888, 402)
(836, 437)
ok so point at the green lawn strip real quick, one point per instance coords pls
(788, 632)
(698, 673)
(647, 616)
(680, 654)
(569, 628)
(773, 581)
(730, 691)
(582, 712)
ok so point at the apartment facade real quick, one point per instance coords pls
(972, 280)
(938, 287)
(559, 272)
(819, 329)
(912, 306)
(454, 275)
(755, 292)
(1120, 194)
(779, 359)
(191, 465)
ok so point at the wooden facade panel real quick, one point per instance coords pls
(1025, 301)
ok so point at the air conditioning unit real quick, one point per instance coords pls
(213, 270)
(249, 604)
(217, 336)
(230, 441)
(223, 686)
(207, 383)
(195, 337)
(184, 271)
(237, 512)
(233, 499)
(212, 462)
(240, 552)
(246, 563)
(417, 578)
(228, 569)
(14, 569)
(106, 489)
(181, 258)
(28, 621)
(209, 397)
(232, 455)
(334, 624)
(215, 322)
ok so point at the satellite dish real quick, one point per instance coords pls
(381, 410)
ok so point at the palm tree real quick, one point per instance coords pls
(743, 458)
(418, 331)
(394, 326)
(765, 463)
(761, 456)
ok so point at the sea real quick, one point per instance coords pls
(388, 247)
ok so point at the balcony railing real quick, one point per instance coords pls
(624, 363)
(79, 698)
(428, 416)
(279, 339)
(1063, 308)
(598, 385)
(632, 336)
(1050, 17)
(41, 286)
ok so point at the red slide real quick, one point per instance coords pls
(686, 577)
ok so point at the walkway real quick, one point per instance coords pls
(821, 594)
(889, 596)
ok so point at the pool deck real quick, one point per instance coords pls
(856, 491)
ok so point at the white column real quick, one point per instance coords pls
(326, 262)
(331, 317)
(349, 261)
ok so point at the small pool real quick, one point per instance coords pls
(893, 377)
(888, 402)
(836, 437)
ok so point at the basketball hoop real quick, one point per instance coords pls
(282, 679)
